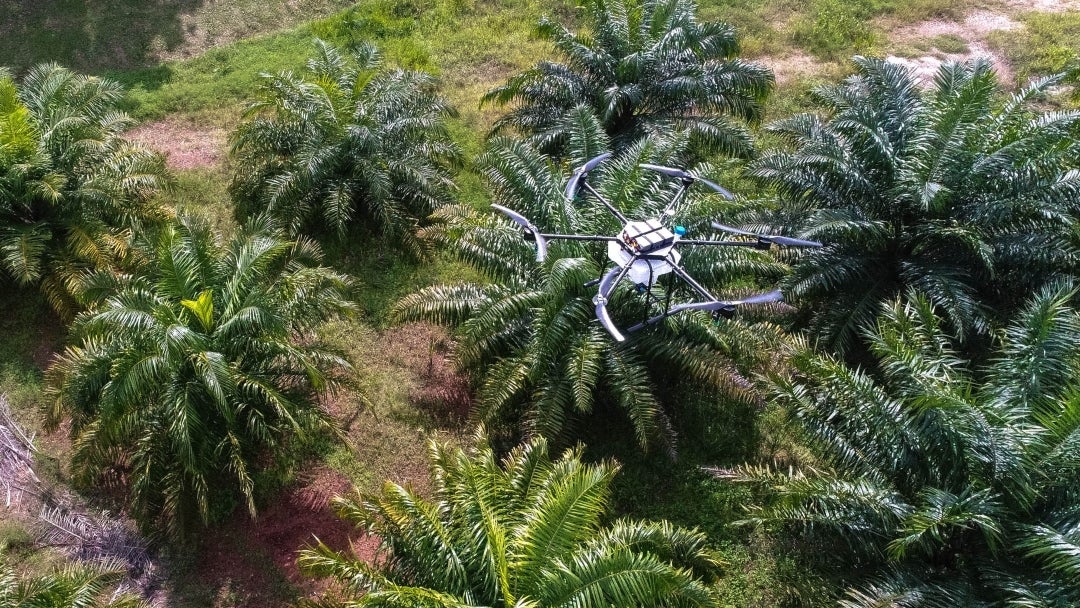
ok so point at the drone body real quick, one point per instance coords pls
(646, 250)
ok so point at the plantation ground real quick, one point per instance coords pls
(192, 64)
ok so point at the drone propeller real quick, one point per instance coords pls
(723, 307)
(686, 175)
(581, 172)
(767, 239)
(607, 285)
(530, 229)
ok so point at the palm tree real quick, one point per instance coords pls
(647, 67)
(184, 381)
(527, 531)
(529, 331)
(76, 585)
(347, 142)
(73, 191)
(940, 484)
(966, 198)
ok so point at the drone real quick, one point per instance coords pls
(646, 250)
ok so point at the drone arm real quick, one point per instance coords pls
(603, 201)
(678, 270)
(753, 244)
(764, 240)
(673, 311)
(578, 237)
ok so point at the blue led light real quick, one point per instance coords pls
(680, 230)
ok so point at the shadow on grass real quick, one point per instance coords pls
(90, 35)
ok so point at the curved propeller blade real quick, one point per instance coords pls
(520, 220)
(680, 174)
(767, 238)
(761, 298)
(790, 242)
(723, 191)
(607, 285)
(726, 306)
(731, 229)
(580, 172)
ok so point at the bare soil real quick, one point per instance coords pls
(793, 67)
(973, 30)
(185, 143)
(253, 562)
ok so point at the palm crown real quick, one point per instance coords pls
(947, 485)
(347, 142)
(526, 531)
(75, 585)
(72, 189)
(532, 329)
(967, 199)
(186, 378)
(648, 67)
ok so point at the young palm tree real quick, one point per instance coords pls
(966, 198)
(347, 142)
(73, 586)
(943, 485)
(72, 189)
(530, 331)
(528, 531)
(647, 67)
(183, 382)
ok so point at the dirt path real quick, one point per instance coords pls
(973, 31)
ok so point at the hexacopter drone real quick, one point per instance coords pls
(645, 250)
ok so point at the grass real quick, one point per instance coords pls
(201, 191)
(944, 44)
(1050, 43)
(386, 434)
(760, 569)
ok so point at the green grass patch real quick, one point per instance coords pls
(205, 192)
(835, 29)
(1049, 43)
(385, 433)
(759, 569)
(945, 44)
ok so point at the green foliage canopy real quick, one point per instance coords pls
(970, 199)
(648, 67)
(73, 191)
(347, 142)
(75, 585)
(183, 380)
(526, 531)
(945, 485)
